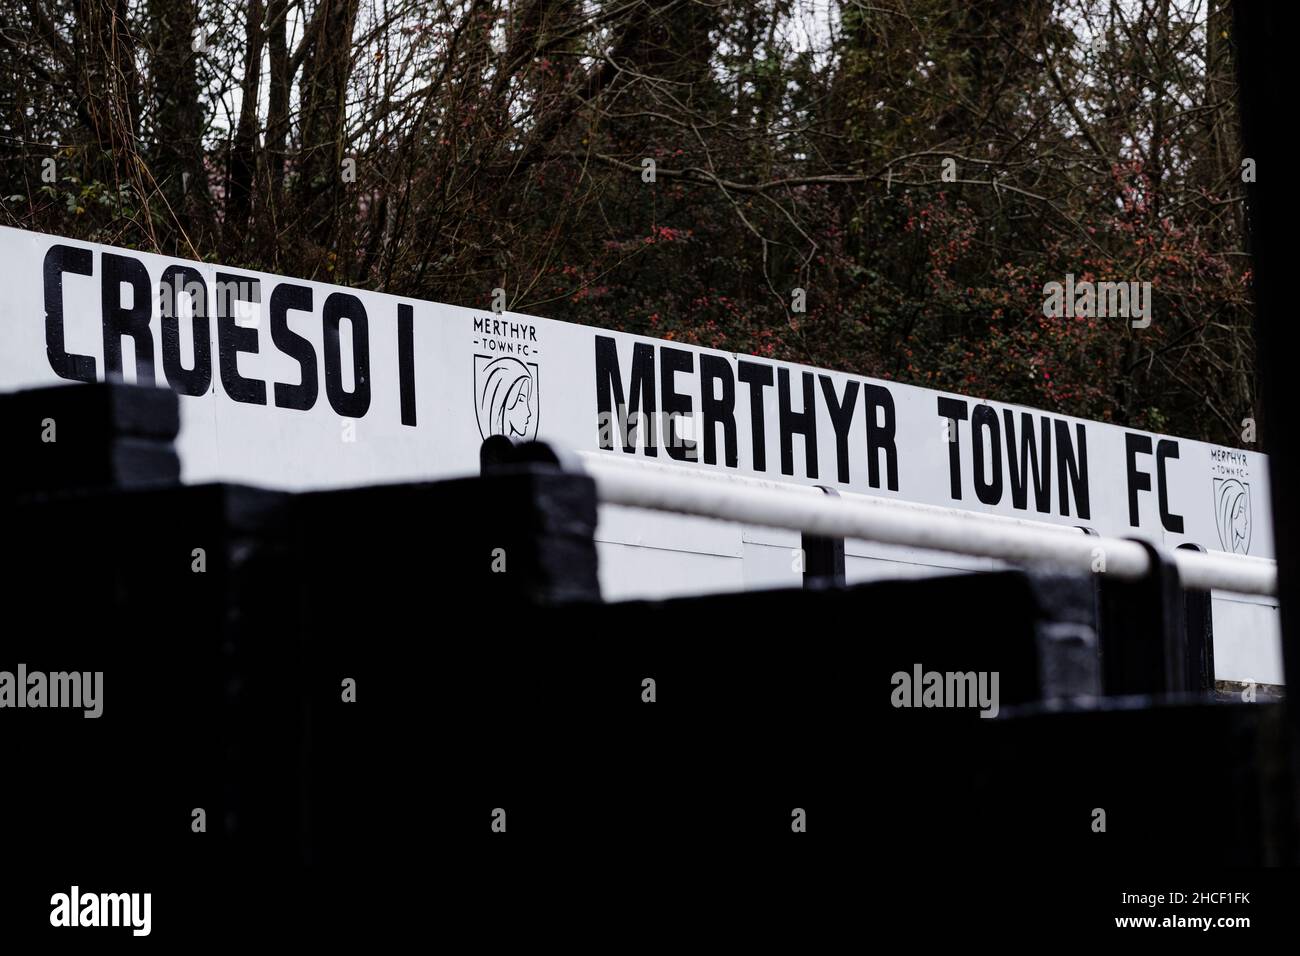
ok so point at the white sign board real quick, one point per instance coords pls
(297, 384)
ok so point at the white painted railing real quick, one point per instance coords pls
(808, 510)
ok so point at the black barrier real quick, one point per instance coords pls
(1198, 623)
(412, 601)
(1157, 644)
(358, 686)
(166, 607)
(88, 436)
(1143, 640)
(1128, 782)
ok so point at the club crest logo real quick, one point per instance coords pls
(1232, 514)
(506, 397)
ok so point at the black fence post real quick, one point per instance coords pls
(1198, 635)
(823, 564)
(1141, 631)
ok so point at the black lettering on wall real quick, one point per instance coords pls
(175, 280)
(406, 361)
(232, 338)
(984, 418)
(841, 420)
(1029, 462)
(953, 409)
(340, 306)
(121, 321)
(758, 377)
(718, 410)
(793, 423)
(1073, 467)
(880, 435)
(285, 297)
(58, 260)
(1166, 448)
(609, 386)
(1135, 445)
(674, 404)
